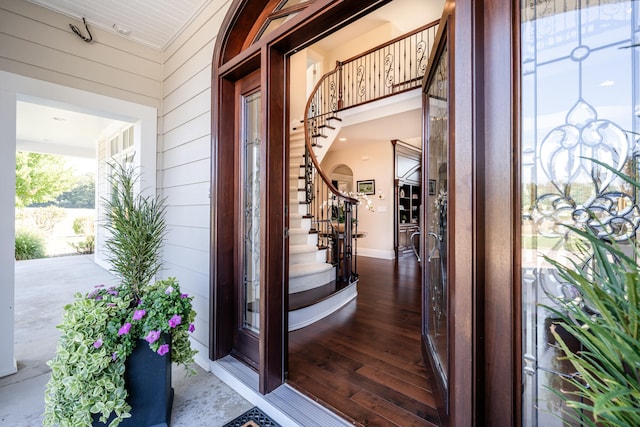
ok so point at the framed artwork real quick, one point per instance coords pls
(367, 186)
(432, 187)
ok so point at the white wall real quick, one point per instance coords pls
(38, 43)
(7, 228)
(371, 161)
(184, 161)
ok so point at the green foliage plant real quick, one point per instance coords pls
(136, 227)
(605, 320)
(101, 329)
(28, 245)
(86, 246)
(84, 226)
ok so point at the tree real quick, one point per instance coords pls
(82, 195)
(41, 178)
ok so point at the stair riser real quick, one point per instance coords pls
(296, 195)
(308, 257)
(304, 283)
(299, 222)
(303, 239)
(301, 209)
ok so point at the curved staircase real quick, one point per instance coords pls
(322, 253)
(312, 277)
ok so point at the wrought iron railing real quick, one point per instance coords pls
(389, 69)
(394, 67)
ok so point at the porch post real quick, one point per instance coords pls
(7, 229)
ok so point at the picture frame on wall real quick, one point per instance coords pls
(367, 186)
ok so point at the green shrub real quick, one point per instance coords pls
(28, 245)
(85, 246)
(83, 225)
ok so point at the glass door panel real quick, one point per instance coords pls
(437, 148)
(580, 101)
(247, 219)
(251, 218)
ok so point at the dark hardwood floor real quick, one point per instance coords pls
(364, 361)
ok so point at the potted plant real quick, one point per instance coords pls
(599, 330)
(113, 359)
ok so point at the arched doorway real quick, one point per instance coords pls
(245, 49)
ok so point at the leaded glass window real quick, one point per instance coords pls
(580, 101)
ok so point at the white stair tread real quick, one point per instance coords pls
(298, 270)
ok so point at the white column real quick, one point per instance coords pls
(7, 229)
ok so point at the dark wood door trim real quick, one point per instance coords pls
(500, 212)
(272, 299)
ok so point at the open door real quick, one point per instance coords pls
(436, 315)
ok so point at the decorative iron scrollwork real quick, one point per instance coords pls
(388, 70)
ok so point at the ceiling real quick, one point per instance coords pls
(153, 23)
(54, 130)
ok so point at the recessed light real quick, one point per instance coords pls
(121, 30)
(342, 139)
(607, 83)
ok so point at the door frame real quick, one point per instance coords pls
(484, 344)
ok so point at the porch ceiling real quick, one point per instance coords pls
(153, 23)
(51, 129)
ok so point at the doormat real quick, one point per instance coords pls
(254, 417)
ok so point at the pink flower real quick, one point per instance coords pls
(98, 343)
(175, 320)
(152, 336)
(139, 314)
(191, 327)
(124, 329)
(184, 295)
(163, 349)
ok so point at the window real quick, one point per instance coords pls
(580, 98)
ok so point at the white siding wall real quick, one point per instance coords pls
(184, 158)
(38, 43)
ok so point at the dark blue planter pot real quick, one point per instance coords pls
(148, 381)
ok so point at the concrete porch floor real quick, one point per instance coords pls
(42, 289)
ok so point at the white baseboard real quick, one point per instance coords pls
(306, 316)
(376, 253)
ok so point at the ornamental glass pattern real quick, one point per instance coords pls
(579, 102)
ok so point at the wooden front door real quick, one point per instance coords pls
(436, 315)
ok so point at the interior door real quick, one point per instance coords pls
(248, 207)
(436, 193)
